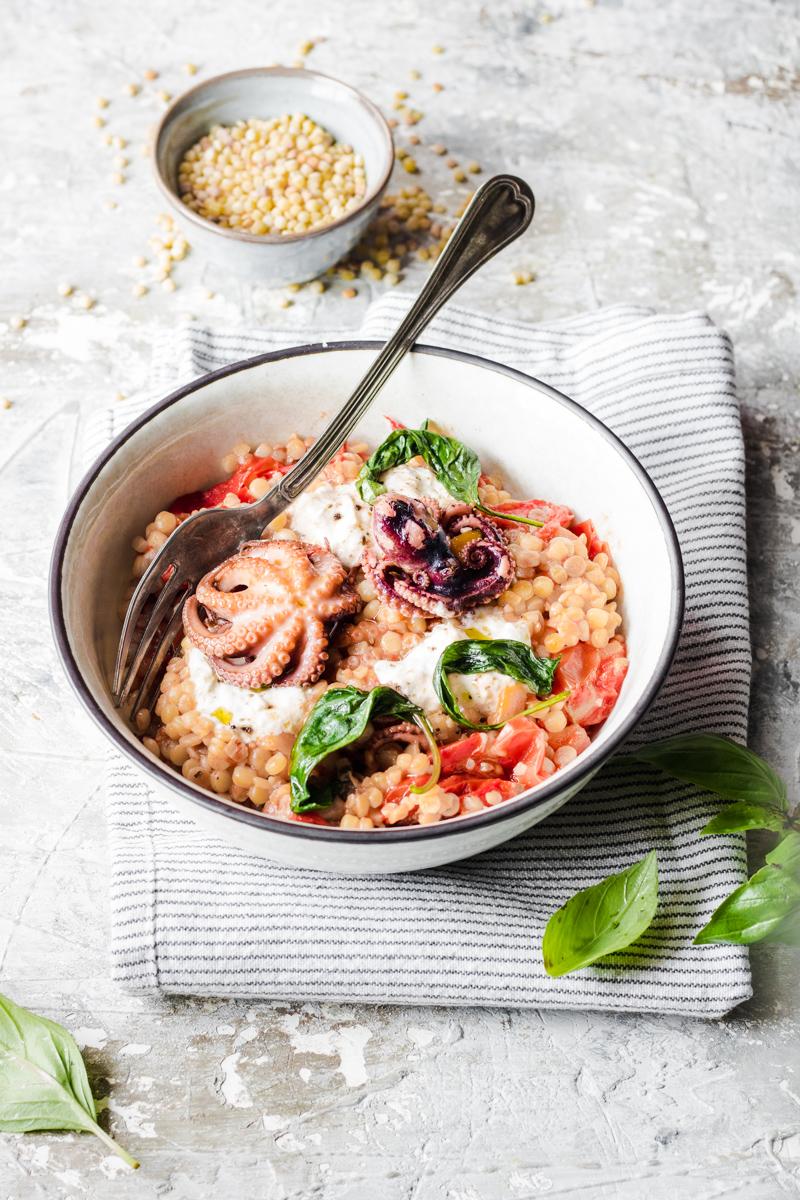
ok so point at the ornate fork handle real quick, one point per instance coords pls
(499, 212)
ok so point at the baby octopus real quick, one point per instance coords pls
(261, 616)
(437, 561)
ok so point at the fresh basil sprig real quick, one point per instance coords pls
(767, 906)
(338, 719)
(475, 656)
(602, 919)
(455, 465)
(764, 908)
(43, 1082)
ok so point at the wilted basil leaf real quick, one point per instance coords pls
(602, 919)
(456, 467)
(338, 719)
(43, 1082)
(476, 656)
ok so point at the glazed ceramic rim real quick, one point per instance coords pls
(256, 819)
(274, 239)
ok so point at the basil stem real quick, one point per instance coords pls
(455, 465)
(338, 719)
(476, 656)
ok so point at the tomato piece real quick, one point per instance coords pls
(395, 424)
(458, 753)
(519, 748)
(528, 770)
(610, 677)
(575, 667)
(310, 819)
(458, 785)
(514, 741)
(397, 792)
(574, 735)
(553, 516)
(594, 543)
(238, 483)
(594, 677)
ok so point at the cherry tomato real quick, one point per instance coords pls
(238, 483)
(458, 753)
(574, 735)
(514, 741)
(594, 543)
(554, 516)
(594, 678)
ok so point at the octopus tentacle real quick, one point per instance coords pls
(434, 560)
(269, 655)
(309, 657)
(260, 616)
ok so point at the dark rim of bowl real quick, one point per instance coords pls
(274, 239)
(502, 812)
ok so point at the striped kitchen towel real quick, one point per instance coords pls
(195, 916)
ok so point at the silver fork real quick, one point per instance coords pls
(501, 209)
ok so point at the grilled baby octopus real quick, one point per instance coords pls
(425, 559)
(261, 617)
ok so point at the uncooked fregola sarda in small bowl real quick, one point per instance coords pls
(234, 201)
(435, 647)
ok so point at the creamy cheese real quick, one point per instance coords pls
(417, 482)
(488, 621)
(413, 674)
(251, 714)
(334, 514)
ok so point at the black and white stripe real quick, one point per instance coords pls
(194, 916)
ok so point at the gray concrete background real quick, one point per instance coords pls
(661, 140)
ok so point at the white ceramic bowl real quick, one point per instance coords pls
(544, 444)
(275, 259)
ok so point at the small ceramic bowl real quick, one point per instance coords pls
(542, 443)
(275, 259)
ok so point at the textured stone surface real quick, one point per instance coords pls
(660, 140)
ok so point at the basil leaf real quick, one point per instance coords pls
(602, 919)
(719, 766)
(455, 465)
(43, 1082)
(740, 816)
(475, 656)
(787, 853)
(338, 719)
(766, 907)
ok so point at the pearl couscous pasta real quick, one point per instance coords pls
(462, 650)
(284, 175)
